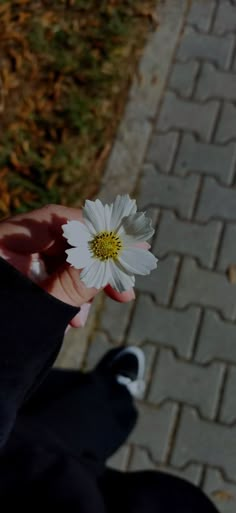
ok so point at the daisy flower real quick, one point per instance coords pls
(107, 244)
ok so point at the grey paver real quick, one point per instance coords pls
(183, 76)
(206, 288)
(150, 355)
(204, 442)
(176, 236)
(189, 383)
(226, 17)
(221, 492)
(115, 319)
(213, 83)
(140, 460)
(128, 152)
(97, 348)
(208, 159)
(228, 409)
(161, 150)
(226, 129)
(119, 460)
(227, 255)
(160, 190)
(154, 429)
(187, 115)
(216, 340)
(216, 202)
(164, 327)
(195, 45)
(160, 282)
(201, 14)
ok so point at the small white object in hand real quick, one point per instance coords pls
(107, 244)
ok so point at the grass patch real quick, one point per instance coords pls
(66, 67)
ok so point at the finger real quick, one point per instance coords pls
(38, 231)
(121, 297)
(80, 319)
(65, 284)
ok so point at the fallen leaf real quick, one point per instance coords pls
(223, 495)
(231, 271)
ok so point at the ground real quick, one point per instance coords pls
(184, 313)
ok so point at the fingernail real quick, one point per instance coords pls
(83, 314)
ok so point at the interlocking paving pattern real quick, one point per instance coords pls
(184, 315)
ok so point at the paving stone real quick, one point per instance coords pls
(160, 190)
(120, 459)
(189, 383)
(221, 492)
(227, 255)
(115, 319)
(154, 429)
(213, 83)
(226, 130)
(198, 286)
(161, 150)
(161, 281)
(186, 115)
(228, 407)
(217, 339)
(226, 18)
(195, 45)
(209, 159)
(164, 327)
(74, 348)
(97, 349)
(201, 14)
(140, 460)
(182, 78)
(197, 240)
(150, 354)
(204, 442)
(216, 202)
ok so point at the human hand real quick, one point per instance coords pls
(38, 235)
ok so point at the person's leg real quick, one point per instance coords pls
(151, 492)
(90, 415)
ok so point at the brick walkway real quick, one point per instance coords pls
(184, 315)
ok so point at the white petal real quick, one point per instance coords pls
(137, 261)
(123, 206)
(137, 226)
(119, 279)
(93, 214)
(76, 233)
(96, 275)
(79, 257)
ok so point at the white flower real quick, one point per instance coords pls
(106, 244)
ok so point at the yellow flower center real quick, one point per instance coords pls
(106, 245)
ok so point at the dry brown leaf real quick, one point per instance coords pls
(3, 207)
(16, 202)
(25, 146)
(17, 57)
(14, 160)
(148, 12)
(52, 180)
(231, 271)
(223, 495)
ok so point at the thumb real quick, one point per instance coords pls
(65, 284)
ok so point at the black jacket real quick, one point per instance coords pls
(34, 473)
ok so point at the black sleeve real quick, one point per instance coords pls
(32, 326)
